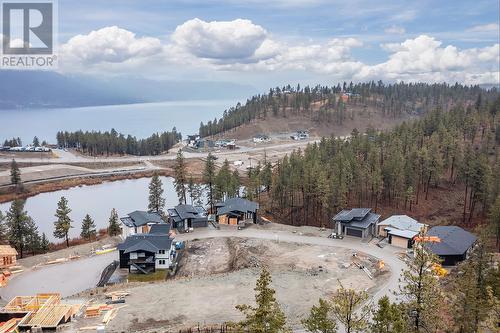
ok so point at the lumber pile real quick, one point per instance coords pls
(95, 310)
(9, 325)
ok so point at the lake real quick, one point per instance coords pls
(96, 200)
(139, 120)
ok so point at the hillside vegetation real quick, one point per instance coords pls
(332, 109)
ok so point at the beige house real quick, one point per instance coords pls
(400, 230)
(8, 256)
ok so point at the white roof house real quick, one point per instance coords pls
(400, 229)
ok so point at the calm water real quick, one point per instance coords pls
(96, 200)
(140, 120)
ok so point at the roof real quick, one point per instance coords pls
(146, 242)
(368, 220)
(236, 205)
(139, 218)
(353, 214)
(402, 222)
(401, 233)
(454, 240)
(7, 250)
(182, 212)
(160, 228)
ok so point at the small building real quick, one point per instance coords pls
(261, 138)
(139, 222)
(400, 230)
(8, 256)
(192, 140)
(454, 245)
(204, 144)
(145, 253)
(236, 210)
(187, 217)
(357, 222)
(300, 135)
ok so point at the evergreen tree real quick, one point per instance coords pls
(114, 226)
(180, 177)
(17, 225)
(156, 201)
(36, 142)
(388, 317)
(495, 221)
(63, 223)
(420, 290)
(3, 229)
(15, 174)
(32, 239)
(267, 316)
(209, 178)
(88, 228)
(44, 243)
(345, 304)
(319, 320)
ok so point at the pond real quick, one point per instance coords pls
(95, 200)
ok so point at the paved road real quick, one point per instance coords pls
(68, 278)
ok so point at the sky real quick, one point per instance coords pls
(268, 43)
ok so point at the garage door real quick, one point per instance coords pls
(354, 232)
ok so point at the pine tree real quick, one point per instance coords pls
(209, 178)
(36, 142)
(495, 221)
(267, 316)
(3, 229)
(15, 173)
(63, 223)
(345, 304)
(114, 226)
(388, 317)
(180, 177)
(44, 243)
(32, 238)
(17, 225)
(156, 201)
(420, 290)
(88, 228)
(319, 320)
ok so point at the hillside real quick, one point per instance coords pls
(338, 110)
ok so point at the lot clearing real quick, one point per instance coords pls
(215, 274)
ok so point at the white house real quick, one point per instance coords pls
(400, 230)
(261, 138)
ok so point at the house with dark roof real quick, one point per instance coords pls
(454, 245)
(400, 230)
(145, 253)
(357, 222)
(139, 222)
(236, 210)
(187, 217)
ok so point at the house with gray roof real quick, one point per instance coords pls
(454, 245)
(139, 222)
(357, 222)
(187, 217)
(236, 210)
(145, 253)
(400, 230)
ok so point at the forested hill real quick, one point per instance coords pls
(442, 168)
(335, 105)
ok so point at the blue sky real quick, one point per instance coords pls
(275, 41)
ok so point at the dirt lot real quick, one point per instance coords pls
(217, 274)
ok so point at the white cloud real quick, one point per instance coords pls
(108, 45)
(220, 40)
(395, 30)
(491, 27)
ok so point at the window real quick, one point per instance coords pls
(133, 255)
(161, 252)
(162, 262)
